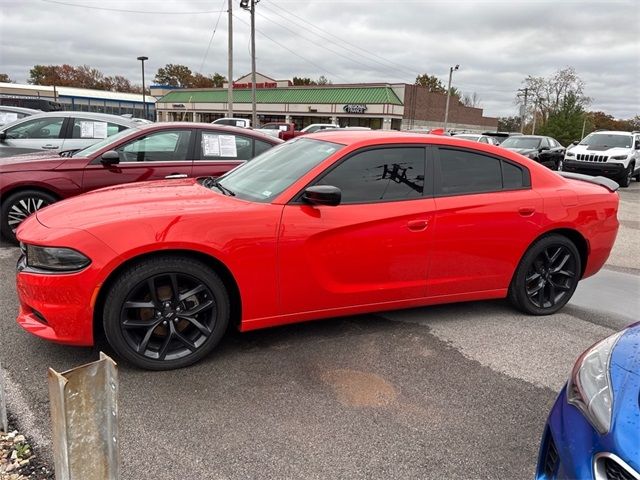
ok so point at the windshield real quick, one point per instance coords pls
(604, 140)
(86, 152)
(270, 173)
(521, 142)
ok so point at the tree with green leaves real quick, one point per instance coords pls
(431, 83)
(218, 80)
(174, 75)
(565, 124)
(303, 81)
(509, 124)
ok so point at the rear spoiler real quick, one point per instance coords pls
(607, 183)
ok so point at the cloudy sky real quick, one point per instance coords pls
(496, 43)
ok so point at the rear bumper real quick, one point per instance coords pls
(606, 169)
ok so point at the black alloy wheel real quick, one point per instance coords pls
(547, 276)
(166, 313)
(627, 176)
(18, 206)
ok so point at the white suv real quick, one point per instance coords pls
(612, 154)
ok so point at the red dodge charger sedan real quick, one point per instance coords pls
(329, 224)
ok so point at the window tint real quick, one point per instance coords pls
(87, 128)
(220, 146)
(162, 146)
(467, 172)
(381, 174)
(260, 147)
(512, 176)
(37, 128)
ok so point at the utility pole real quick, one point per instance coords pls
(252, 9)
(446, 108)
(230, 69)
(535, 116)
(524, 108)
(144, 96)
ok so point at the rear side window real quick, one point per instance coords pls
(261, 147)
(463, 172)
(222, 146)
(376, 175)
(92, 129)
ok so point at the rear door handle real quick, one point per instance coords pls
(418, 225)
(50, 147)
(177, 175)
(526, 211)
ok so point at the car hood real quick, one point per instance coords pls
(626, 353)
(30, 161)
(611, 151)
(136, 201)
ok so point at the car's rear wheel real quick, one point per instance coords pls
(18, 206)
(627, 176)
(166, 312)
(547, 276)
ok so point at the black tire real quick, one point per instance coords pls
(547, 276)
(18, 206)
(162, 330)
(625, 179)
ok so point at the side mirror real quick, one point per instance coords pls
(322, 195)
(574, 143)
(3, 136)
(110, 158)
(637, 143)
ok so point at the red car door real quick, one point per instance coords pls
(217, 152)
(487, 215)
(154, 155)
(373, 247)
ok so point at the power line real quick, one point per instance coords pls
(293, 52)
(211, 39)
(388, 62)
(56, 2)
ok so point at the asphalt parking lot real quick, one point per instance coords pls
(457, 391)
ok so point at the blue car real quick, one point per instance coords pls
(593, 430)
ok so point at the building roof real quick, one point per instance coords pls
(79, 92)
(311, 95)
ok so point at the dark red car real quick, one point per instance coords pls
(327, 224)
(147, 152)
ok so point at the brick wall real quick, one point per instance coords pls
(422, 106)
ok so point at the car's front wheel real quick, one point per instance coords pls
(546, 277)
(18, 206)
(625, 178)
(166, 312)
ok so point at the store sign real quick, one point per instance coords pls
(258, 85)
(178, 105)
(355, 108)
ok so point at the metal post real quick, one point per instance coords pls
(446, 108)
(230, 59)
(4, 424)
(84, 413)
(144, 97)
(584, 124)
(254, 113)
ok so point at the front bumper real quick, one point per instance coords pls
(606, 169)
(571, 448)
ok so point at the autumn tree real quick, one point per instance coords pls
(431, 83)
(4, 78)
(174, 75)
(200, 81)
(509, 124)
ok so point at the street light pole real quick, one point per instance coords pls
(446, 108)
(144, 96)
(251, 7)
(230, 67)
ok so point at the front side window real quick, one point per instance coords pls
(382, 174)
(37, 128)
(165, 146)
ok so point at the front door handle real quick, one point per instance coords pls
(418, 225)
(177, 175)
(50, 147)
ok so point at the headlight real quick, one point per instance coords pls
(570, 154)
(589, 388)
(55, 259)
(619, 157)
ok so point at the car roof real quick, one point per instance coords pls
(349, 137)
(212, 127)
(104, 117)
(9, 108)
